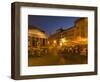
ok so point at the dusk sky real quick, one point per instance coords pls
(50, 24)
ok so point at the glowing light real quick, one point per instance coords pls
(48, 42)
(54, 42)
(61, 44)
(84, 39)
(63, 40)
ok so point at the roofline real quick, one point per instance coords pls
(34, 27)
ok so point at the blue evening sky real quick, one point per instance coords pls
(50, 24)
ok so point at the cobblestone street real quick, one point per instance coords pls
(56, 60)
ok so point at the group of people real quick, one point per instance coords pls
(73, 50)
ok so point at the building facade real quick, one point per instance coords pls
(37, 40)
(72, 35)
(81, 26)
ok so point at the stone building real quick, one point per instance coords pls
(73, 35)
(81, 26)
(37, 39)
